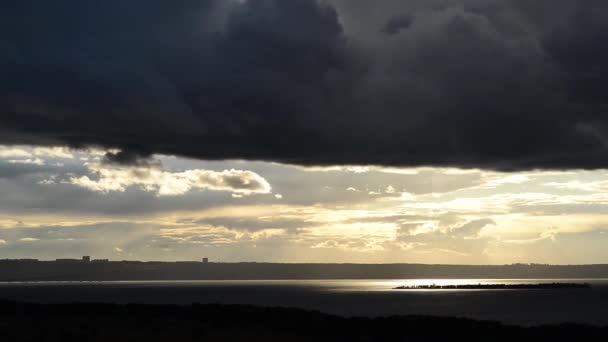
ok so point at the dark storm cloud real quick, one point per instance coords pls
(506, 84)
(398, 23)
(129, 157)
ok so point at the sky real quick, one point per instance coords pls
(58, 202)
(435, 131)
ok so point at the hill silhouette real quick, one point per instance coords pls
(134, 322)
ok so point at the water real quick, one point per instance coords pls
(345, 297)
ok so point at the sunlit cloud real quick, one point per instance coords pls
(29, 152)
(165, 183)
(28, 239)
(576, 185)
(35, 161)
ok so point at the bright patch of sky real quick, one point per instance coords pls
(58, 202)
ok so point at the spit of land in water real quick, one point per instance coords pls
(541, 286)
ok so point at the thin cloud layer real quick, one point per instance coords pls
(499, 84)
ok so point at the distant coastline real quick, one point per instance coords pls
(88, 269)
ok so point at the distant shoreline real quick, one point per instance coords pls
(103, 270)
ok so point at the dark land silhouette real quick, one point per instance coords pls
(100, 270)
(136, 322)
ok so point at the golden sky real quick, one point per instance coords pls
(59, 202)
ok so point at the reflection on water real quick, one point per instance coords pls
(327, 285)
(346, 297)
(390, 285)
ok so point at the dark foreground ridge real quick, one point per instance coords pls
(541, 286)
(104, 270)
(134, 322)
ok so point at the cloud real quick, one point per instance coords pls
(36, 161)
(577, 185)
(129, 158)
(165, 183)
(292, 224)
(217, 235)
(397, 23)
(471, 229)
(28, 239)
(499, 84)
(358, 246)
(2, 242)
(8, 152)
(549, 234)
(22, 152)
